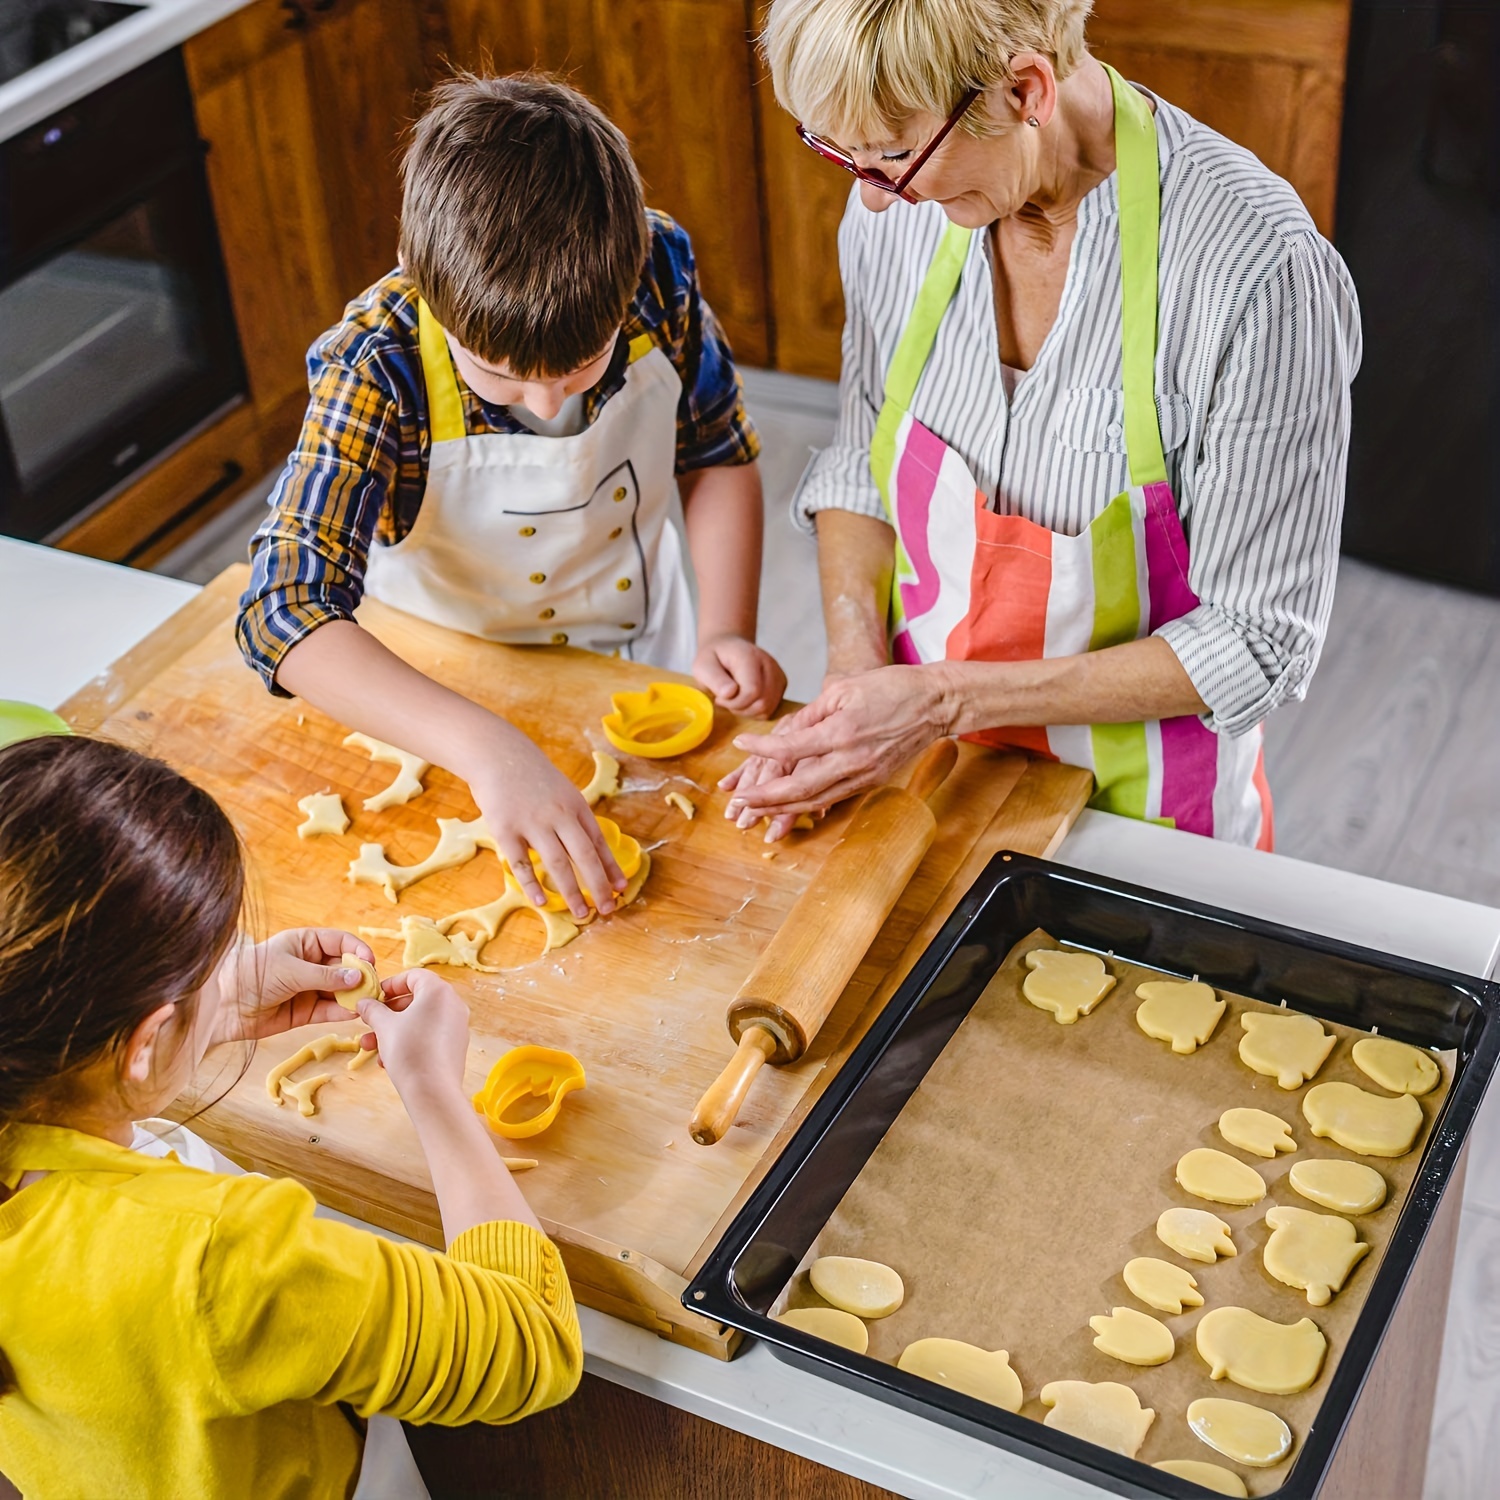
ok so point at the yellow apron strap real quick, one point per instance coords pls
(445, 407)
(640, 346)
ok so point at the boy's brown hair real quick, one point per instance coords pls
(522, 221)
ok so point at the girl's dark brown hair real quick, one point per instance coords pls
(120, 890)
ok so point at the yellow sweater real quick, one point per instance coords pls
(175, 1332)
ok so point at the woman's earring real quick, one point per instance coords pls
(1032, 121)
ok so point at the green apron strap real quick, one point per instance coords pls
(1139, 177)
(921, 330)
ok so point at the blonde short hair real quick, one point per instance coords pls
(856, 70)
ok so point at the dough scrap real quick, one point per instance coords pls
(362, 1055)
(605, 781)
(1256, 1131)
(320, 1049)
(1134, 1337)
(426, 943)
(1250, 1435)
(1213, 1477)
(1313, 1252)
(1160, 1284)
(1396, 1066)
(1276, 1359)
(830, 1324)
(984, 1374)
(681, 803)
(410, 769)
(1219, 1177)
(459, 840)
(369, 990)
(1183, 1014)
(1347, 1187)
(325, 814)
(862, 1287)
(1102, 1412)
(1067, 984)
(1362, 1122)
(1195, 1233)
(1287, 1047)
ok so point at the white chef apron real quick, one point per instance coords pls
(536, 540)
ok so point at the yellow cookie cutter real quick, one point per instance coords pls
(661, 706)
(526, 1072)
(626, 850)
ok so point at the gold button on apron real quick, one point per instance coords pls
(628, 625)
(528, 531)
(623, 584)
(539, 578)
(560, 639)
(620, 493)
(547, 614)
(615, 533)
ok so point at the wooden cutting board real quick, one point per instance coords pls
(639, 998)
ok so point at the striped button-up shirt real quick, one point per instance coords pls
(359, 471)
(1258, 342)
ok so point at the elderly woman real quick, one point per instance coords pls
(1086, 486)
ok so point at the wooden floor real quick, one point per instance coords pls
(1390, 768)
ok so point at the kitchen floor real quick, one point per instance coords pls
(1390, 769)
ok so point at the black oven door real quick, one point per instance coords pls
(117, 338)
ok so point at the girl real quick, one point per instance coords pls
(166, 1330)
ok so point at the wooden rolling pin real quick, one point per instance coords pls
(799, 977)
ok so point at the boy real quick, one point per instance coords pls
(491, 444)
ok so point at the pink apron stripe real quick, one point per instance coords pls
(916, 481)
(1166, 558)
(1189, 773)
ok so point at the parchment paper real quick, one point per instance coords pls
(1032, 1163)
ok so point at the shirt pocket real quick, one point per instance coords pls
(1092, 420)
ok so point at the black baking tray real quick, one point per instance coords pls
(1015, 895)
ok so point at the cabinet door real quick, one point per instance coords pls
(675, 76)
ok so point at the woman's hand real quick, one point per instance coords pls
(741, 676)
(854, 735)
(287, 981)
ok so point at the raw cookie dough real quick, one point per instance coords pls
(1359, 1121)
(681, 803)
(1160, 1284)
(1313, 1252)
(605, 781)
(1134, 1337)
(1183, 1014)
(1195, 1233)
(1213, 1477)
(1395, 1066)
(984, 1374)
(301, 1092)
(1276, 1359)
(369, 990)
(830, 1324)
(1256, 1131)
(1347, 1187)
(1250, 1435)
(325, 814)
(409, 773)
(862, 1287)
(1289, 1047)
(459, 840)
(1067, 984)
(317, 1050)
(1104, 1412)
(1219, 1177)
(426, 943)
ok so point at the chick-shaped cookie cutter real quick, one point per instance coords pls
(526, 1072)
(662, 706)
(626, 850)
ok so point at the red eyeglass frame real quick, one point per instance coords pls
(876, 179)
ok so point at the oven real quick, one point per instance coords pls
(117, 338)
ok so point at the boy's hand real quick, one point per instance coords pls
(422, 1034)
(287, 981)
(742, 677)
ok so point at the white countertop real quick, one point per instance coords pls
(63, 619)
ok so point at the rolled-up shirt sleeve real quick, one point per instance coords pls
(1263, 501)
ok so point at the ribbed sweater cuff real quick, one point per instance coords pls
(506, 1246)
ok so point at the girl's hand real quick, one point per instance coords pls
(422, 1035)
(741, 676)
(287, 981)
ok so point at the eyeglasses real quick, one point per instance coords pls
(877, 179)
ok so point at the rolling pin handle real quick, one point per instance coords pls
(717, 1109)
(932, 768)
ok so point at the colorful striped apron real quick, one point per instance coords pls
(971, 585)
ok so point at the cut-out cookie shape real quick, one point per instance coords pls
(425, 942)
(369, 987)
(325, 814)
(862, 1287)
(1183, 1014)
(410, 769)
(1250, 1435)
(1103, 1412)
(1206, 1173)
(605, 781)
(1067, 984)
(459, 840)
(1395, 1066)
(1276, 1359)
(829, 1324)
(526, 1073)
(1359, 1121)
(984, 1374)
(1289, 1048)
(1256, 1131)
(1195, 1233)
(1160, 1284)
(1313, 1252)
(1347, 1187)
(1134, 1337)
(1213, 1477)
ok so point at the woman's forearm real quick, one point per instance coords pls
(724, 512)
(856, 558)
